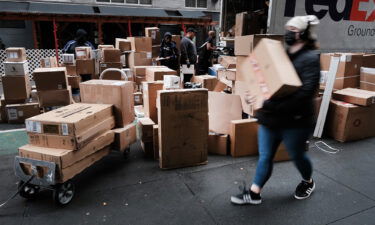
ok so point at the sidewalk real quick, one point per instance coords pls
(135, 191)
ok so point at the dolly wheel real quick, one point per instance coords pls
(64, 193)
(28, 191)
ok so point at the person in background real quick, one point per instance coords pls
(289, 119)
(188, 52)
(168, 52)
(80, 40)
(2, 45)
(205, 54)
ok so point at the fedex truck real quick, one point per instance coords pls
(345, 25)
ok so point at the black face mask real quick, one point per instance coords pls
(290, 38)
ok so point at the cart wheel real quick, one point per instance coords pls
(64, 193)
(126, 152)
(28, 191)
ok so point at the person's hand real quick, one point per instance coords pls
(249, 98)
(168, 57)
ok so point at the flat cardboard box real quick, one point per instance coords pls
(48, 62)
(124, 137)
(74, 81)
(217, 144)
(183, 128)
(243, 137)
(16, 88)
(228, 62)
(138, 98)
(16, 68)
(63, 157)
(229, 74)
(123, 44)
(17, 113)
(141, 44)
(15, 54)
(111, 55)
(117, 93)
(346, 82)
(83, 53)
(149, 98)
(276, 76)
(104, 66)
(71, 120)
(242, 24)
(71, 70)
(47, 79)
(223, 108)
(156, 141)
(355, 96)
(155, 74)
(154, 33)
(348, 122)
(55, 98)
(244, 45)
(241, 88)
(139, 59)
(72, 143)
(85, 66)
(209, 82)
(146, 127)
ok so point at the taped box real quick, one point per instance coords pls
(355, 96)
(141, 44)
(123, 44)
(83, 52)
(17, 113)
(154, 33)
(209, 82)
(47, 79)
(16, 68)
(16, 88)
(85, 67)
(111, 55)
(15, 54)
(55, 97)
(48, 62)
(149, 98)
(124, 137)
(146, 136)
(367, 79)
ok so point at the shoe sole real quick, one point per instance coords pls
(302, 198)
(237, 201)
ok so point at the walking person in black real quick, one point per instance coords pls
(188, 52)
(205, 54)
(168, 52)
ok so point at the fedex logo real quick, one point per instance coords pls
(355, 10)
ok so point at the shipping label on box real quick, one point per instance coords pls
(16, 68)
(68, 58)
(172, 82)
(17, 113)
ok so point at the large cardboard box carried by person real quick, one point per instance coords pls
(16, 88)
(355, 96)
(367, 79)
(218, 144)
(244, 45)
(269, 72)
(243, 137)
(209, 82)
(183, 127)
(15, 54)
(123, 44)
(157, 73)
(223, 108)
(154, 33)
(85, 66)
(111, 55)
(118, 93)
(16, 68)
(17, 113)
(124, 137)
(55, 97)
(149, 98)
(47, 79)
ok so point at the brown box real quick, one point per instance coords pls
(138, 98)
(223, 108)
(50, 79)
(244, 45)
(183, 128)
(71, 120)
(156, 141)
(149, 98)
(367, 86)
(146, 135)
(209, 82)
(55, 98)
(85, 66)
(74, 81)
(63, 157)
(71, 70)
(368, 61)
(140, 73)
(367, 79)
(111, 55)
(276, 76)
(355, 96)
(49, 62)
(83, 53)
(141, 44)
(3, 111)
(154, 33)
(325, 61)
(349, 65)
(346, 82)
(139, 59)
(217, 144)
(242, 23)
(123, 44)
(16, 88)
(15, 54)
(155, 51)
(16, 68)
(155, 73)
(229, 74)
(118, 93)
(104, 66)
(243, 137)
(348, 122)
(72, 143)
(101, 47)
(229, 62)
(124, 137)
(17, 113)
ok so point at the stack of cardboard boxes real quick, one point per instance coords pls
(141, 52)
(154, 34)
(74, 79)
(110, 58)
(74, 137)
(85, 63)
(16, 105)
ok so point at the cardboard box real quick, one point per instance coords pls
(63, 157)
(367, 86)
(68, 59)
(368, 61)
(149, 98)
(83, 53)
(123, 44)
(138, 98)
(183, 128)
(325, 61)
(155, 74)
(74, 81)
(228, 62)
(85, 66)
(15, 54)
(71, 70)
(241, 88)
(139, 59)
(223, 108)
(101, 47)
(112, 74)
(111, 55)
(367, 79)
(55, 98)
(141, 44)
(348, 122)
(16, 68)
(117, 93)
(124, 137)
(355, 96)
(139, 73)
(156, 141)
(276, 76)
(172, 82)
(243, 137)
(104, 66)
(47, 79)
(154, 34)
(3, 111)
(155, 51)
(17, 113)
(346, 82)
(48, 62)
(16, 88)
(244, 45)
(146, 136)
(217, 144)
(349, 65)
(242, 24)
(209, 82)
(71, 120)
(229, 74)
(72, 142)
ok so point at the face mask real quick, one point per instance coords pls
(290, 38)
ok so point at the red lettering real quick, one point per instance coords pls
(356, 14)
